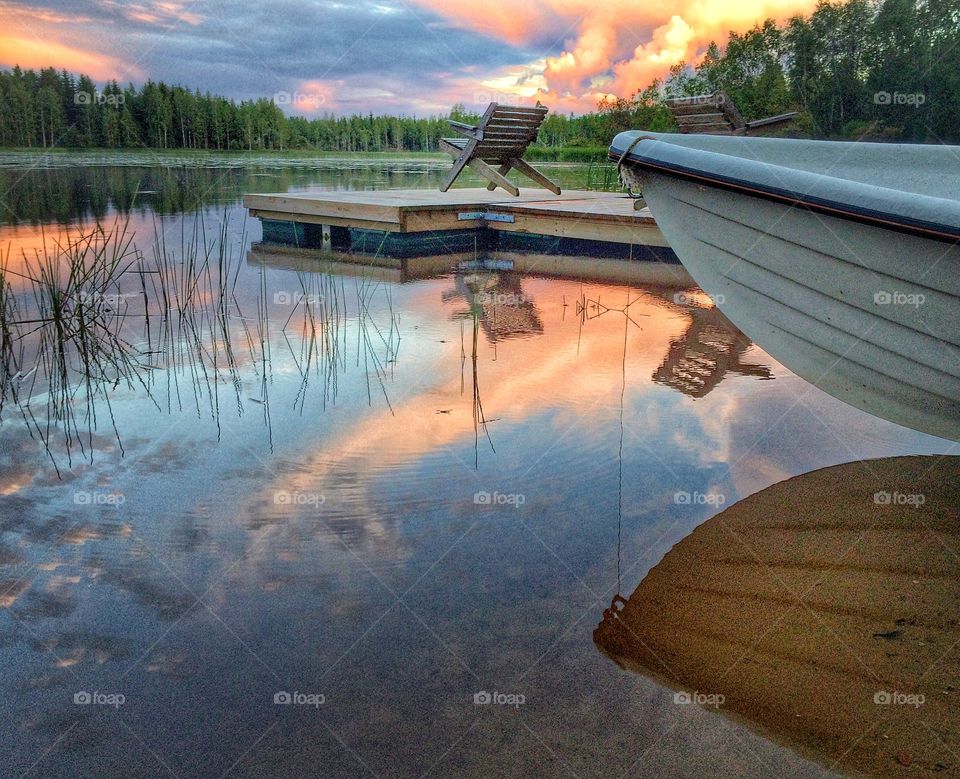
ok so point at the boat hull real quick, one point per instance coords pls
(870, 315)
(796, 606)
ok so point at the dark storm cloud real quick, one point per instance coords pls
(248, 50)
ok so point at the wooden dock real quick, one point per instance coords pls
(412, 222)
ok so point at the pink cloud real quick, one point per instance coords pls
(614, 46)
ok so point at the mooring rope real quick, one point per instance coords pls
(624, 156)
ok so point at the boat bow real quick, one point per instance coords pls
(841, 260)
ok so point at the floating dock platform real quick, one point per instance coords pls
(401, 223)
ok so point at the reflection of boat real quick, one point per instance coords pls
(709, 349)
(823, 609)
(837, 262)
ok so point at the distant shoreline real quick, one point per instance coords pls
(535, 153)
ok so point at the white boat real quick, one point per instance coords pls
(841, 260)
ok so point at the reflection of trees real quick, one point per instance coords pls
(66, 194)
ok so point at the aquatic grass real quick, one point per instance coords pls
(72, 313)
(8, 315)
(87, 316)
(602, 176)
(479, 419)
(66, 329)
(324, 313)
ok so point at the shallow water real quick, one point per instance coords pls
(424, 503)
(45, 189)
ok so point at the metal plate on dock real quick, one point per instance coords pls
(488, 216)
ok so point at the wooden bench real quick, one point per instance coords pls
(500, 139)
(718, 115)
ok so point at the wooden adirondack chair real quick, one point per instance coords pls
(717, 114)
(501, 138)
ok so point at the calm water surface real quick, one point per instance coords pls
(422, 502)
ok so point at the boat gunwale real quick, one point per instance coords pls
(884, 220)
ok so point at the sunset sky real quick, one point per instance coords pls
(408, 56)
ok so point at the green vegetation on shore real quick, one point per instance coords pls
(878, 69)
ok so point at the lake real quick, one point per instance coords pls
(315, 518)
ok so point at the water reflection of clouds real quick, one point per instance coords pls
(361, 463)
(527, 385)
(201, 515)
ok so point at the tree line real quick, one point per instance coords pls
(56, 108)
(866, 69)
(880, 69)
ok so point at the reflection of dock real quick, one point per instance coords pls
(389, 269)
(615, 271)
(407, 222)
(709, 349)
(822, 615)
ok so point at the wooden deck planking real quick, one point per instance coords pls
(608, 217)
(599, 216)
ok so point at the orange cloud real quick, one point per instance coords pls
(37, 37)
(613, 47)
(30, 52)
(309, 97)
